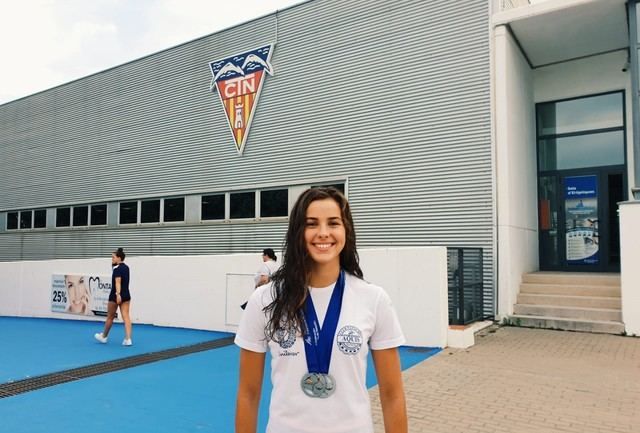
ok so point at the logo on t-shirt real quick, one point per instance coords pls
(349, 340)
(285, 337)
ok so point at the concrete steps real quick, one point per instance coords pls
(570, 301)
(579, 313)
(570, 289)
(573, 278)
(600, 327)
(607, 302)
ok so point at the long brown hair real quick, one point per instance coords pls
(290, 282)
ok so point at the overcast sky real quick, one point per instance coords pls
(44, 43)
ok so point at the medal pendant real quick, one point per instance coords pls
(318, 385)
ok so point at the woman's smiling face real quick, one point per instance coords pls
(324, 232)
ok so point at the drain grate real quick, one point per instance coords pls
(420, 349)
(10, 389)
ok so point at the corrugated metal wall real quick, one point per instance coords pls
(169, 240)
(394, 96)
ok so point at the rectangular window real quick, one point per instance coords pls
(274, 203)
(40, 218)
(99, 215)
(12, 220)
(129, 212)
(212, 207)
(338, 186)
(63, 217)
(174, 209)
(582, 114)
(80, 216)
(637, 5)
(25, 219)
(243, 205)
(150, 211)
(588, 150)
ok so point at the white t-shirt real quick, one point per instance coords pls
(367, 320)
(266, 268)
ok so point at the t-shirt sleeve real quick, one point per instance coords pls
(251, 331)
(387, 332)
(117, 272)
(264, 270)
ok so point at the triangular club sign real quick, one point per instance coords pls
(238, 80)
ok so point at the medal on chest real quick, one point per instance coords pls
(318, 344)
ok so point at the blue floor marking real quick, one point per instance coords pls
(33, 347)
(192, 393)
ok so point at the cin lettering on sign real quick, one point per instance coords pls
(239, 86)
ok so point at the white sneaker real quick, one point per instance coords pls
(101, 338)
(127, 342)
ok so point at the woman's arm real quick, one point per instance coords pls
(118, 288)
(249, 389)
(264, 279)
(388, 371)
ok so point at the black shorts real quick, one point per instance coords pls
(124, 295)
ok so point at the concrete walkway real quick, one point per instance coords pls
(526, 380)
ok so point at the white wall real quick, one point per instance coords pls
(588, 76)
(205, 292)
(516, 175)
(630, 271)
(416, 281)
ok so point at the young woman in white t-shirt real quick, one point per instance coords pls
(321, 264)
(268, 267)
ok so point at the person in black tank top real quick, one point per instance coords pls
(119, 297)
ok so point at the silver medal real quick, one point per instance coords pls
(318, 385)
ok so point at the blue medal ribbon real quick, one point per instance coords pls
(318, 341)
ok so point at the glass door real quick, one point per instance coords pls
(614, 191)
(578, 220)
(549, 216)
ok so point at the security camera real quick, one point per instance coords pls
(626, 66)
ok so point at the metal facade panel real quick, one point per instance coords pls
(393, 96)
(222, 238)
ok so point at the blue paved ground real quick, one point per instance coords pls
(31, 347)
(193, 393)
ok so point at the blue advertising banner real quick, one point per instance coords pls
(581, 209)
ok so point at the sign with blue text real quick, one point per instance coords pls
(238, 79)
(581, 209)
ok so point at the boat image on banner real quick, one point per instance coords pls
(581, 208)
(238, 80)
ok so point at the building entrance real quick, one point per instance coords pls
(581, 178)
